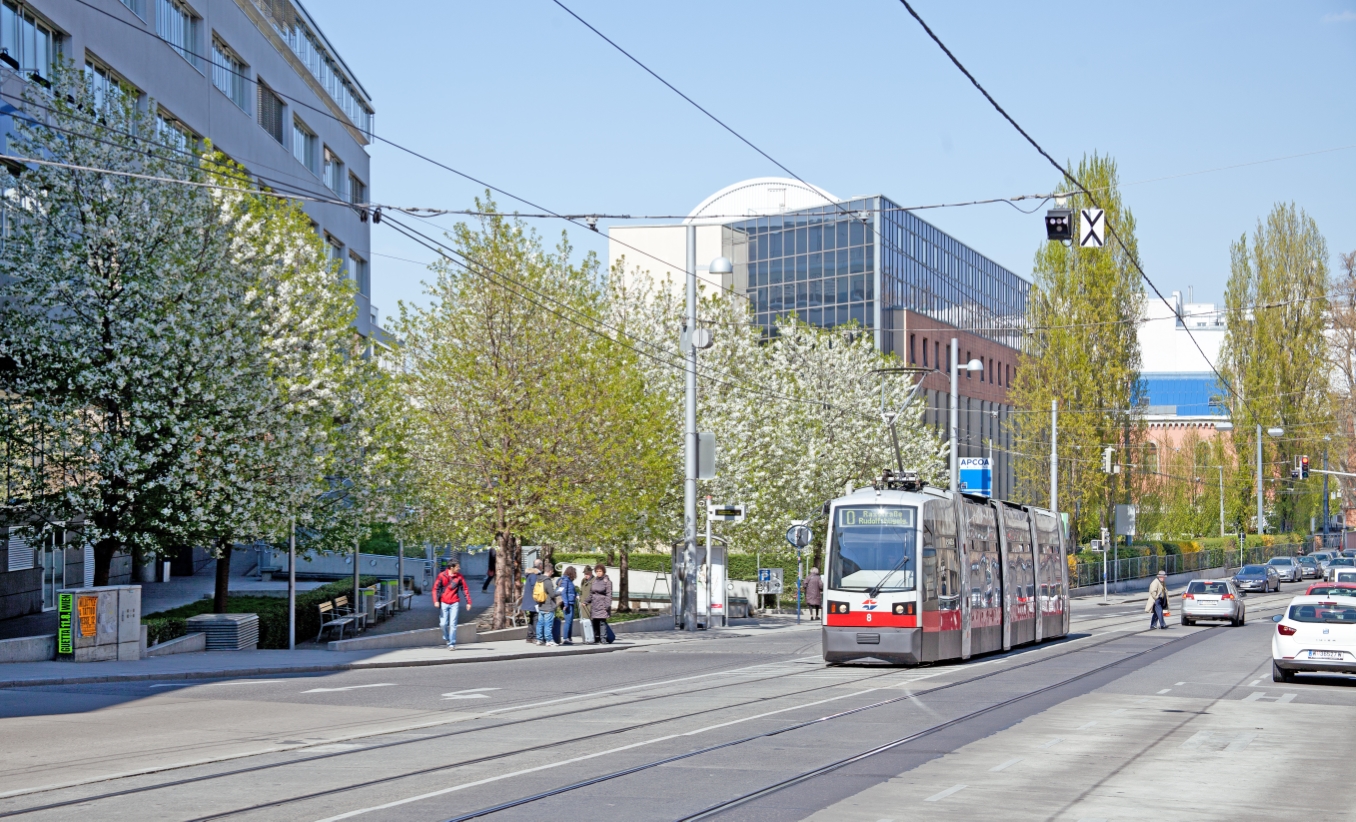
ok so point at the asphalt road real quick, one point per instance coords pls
(1115, 722)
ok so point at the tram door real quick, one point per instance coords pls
(1053, 570)
(1019, 577)
(984, 578)
(941, 582)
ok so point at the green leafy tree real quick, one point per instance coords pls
(1275, 355)
(1083, 352)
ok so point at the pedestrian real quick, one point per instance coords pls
(569, 595)
(527, 606)
(449, 593)
(545, 599)
(814, 592)
(585, 588)
(1158, 601)
(600, 603)
(489, 573)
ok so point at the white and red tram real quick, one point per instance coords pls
(915, 574)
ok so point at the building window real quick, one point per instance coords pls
(175, 134)
(228, 73)
(134, 5)
(270, 112)
(990, 370)
(911, 349)
(178, 26)
(361, 278)
(334, 176)
(303, 145)
(26, 43)
(337, 254)
(323, 67)
(357, 191)
(105, 85)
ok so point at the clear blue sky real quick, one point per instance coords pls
(853, 97)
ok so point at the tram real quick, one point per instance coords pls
(916, 574)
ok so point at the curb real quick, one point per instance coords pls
(38, 682)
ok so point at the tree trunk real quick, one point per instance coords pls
(223, 586)
(103, 559)
(506, 573)
(624, 583)
(548, 556)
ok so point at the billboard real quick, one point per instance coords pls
(976, 475)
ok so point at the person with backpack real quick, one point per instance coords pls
(528, 606)
(585, 588)
(569, 596)
(600, 605)
(449, 593)
(544, 597)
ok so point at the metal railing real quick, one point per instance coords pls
(1088, 566)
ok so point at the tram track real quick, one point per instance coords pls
(1053, 645)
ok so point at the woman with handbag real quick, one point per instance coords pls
(600, 605)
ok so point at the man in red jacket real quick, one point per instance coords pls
(449, 592)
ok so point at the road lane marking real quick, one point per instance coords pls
(1257, 696)
(1181, 683)
(937, 797)
(349, 688)
(1254, 683)
(1086, 725)
(548, 766)
(1118, 711)
(470, 693)
(1005, 765)
(1052, 743)
(1164, 691)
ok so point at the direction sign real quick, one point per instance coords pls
(1091, 228)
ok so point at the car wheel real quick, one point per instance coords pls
(1279, 674)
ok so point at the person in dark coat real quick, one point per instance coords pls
(814, 592)
(585, 587)
(600, 603)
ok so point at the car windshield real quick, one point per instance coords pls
(1331, 591)
(1308, 561)
(1202, 587)
(873, 546)
(1251, 570)
(1324, 612)
(1343, 561)
(1281, 561)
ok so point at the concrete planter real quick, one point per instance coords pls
(28, 649)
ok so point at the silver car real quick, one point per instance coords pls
(1212, 599)
(1309, 568)
(1287, 568)
(1334, 564)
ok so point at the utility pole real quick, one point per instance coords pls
(400, 570)
(955, 414)
(1325, 497)
(292, 587)
(690, 441)
(1054, 456)
(1221, 500)
(1259, 479)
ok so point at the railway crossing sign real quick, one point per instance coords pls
(1091, 228)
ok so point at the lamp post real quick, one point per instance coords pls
(1326, 440)
(972, 365)
(1273, 432)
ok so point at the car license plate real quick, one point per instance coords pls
(1325, 654)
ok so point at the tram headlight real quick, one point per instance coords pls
(838, 607)
(904, 609)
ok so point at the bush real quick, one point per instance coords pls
(272, 611)
(165, 629)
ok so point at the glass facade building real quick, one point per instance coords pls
(860, 260)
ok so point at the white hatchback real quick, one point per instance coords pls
(1316, 633)
(1212, 599)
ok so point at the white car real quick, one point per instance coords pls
(1315, 633)
(1212, 599)
(1344, 575)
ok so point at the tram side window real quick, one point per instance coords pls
(943, 586)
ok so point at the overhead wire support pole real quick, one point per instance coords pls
(1054, 456)
(955, 414)
(690, 439)
(1259, 480)
(292, 587)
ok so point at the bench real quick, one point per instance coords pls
(342, 608)
(329, 620)
(405, 598)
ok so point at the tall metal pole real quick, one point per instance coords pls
(1221, 500)
(357, 592)
(955, 416)
(690, 441)
(1259, 479)
(400, 570)
(1054, 456)
(292, 587)
(1325, 497)
(708, 563)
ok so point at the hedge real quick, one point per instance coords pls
(272, 611)
(163, 630)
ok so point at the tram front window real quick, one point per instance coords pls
(874, 547)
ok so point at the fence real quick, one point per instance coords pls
(1088, 566)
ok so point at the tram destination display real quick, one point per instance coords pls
(882, 517)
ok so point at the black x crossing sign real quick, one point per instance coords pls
(1091, 228)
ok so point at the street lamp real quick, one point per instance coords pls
(1273, 432)
(1222, 426)
(956, 368)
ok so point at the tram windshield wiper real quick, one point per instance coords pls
(875, 591)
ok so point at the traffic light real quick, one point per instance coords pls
(1304, 468)
(1059, 226)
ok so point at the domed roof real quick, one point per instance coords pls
(758, 197)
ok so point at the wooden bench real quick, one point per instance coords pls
(342, 608)
(329, 620)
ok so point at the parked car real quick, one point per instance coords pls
(1323, 558)
(1314, 634)
(1335, 563)
(1287, 568)
(1261, 578)
(1344, 575)
(1212, 599)
(1332, 589)
(1309, 568)
(1349, 552)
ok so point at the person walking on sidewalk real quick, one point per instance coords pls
(528, 606)
(1158, 601)
(449, 593)
(600, 603)
(585, 588)
(569, 596)
(814, 592)
(544, 597)
(489, 572)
